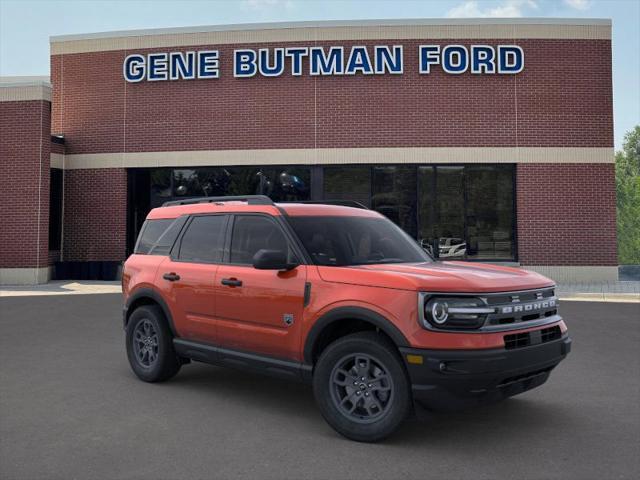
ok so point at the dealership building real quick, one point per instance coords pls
(485, 139)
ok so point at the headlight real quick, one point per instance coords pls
(455, 312)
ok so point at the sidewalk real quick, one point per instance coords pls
(600, 292)
(627, 292)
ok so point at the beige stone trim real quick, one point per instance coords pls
(24, 276)
(22, 93)
(575, 274)
(439, 29)
(329, 156)
(57, 160)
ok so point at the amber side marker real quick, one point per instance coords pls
(415, 359)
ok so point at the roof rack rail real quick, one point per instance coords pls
(250, 199)
(343, 203)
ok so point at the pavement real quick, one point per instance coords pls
(70, 408)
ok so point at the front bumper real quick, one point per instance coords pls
(453, 379)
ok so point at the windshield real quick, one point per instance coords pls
(343, 241)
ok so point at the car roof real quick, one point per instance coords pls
(277, 209)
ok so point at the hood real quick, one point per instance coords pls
(463, 277)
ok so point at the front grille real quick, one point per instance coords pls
(517, 307)
(520, 340)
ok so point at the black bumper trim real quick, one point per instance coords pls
(450, 379)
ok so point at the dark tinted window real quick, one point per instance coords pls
(163, 245)
(204, 239)
(342, 241)
(150, 233)
(55, 209)
(252, 233)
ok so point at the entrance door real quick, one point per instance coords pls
(259, 310)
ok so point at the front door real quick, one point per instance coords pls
(259, 310)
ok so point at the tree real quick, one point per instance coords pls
(628, 198)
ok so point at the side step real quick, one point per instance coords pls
(275, 367)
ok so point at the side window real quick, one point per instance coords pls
(163, 245)
(203, 241)
(252, 233)
(150, 233)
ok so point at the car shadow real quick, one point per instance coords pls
(507, 420)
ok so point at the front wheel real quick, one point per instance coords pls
(361, 387)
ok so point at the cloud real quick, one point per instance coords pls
(578, 4)
(507, 8)
(266, 4)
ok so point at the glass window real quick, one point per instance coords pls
(348, 183)
(252, 233)
(151, 231)
(163, 245)
(394, 195)
(342, 241)
(203, 241)
(490, 227)
(55, 209)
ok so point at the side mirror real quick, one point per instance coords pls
(272, 260)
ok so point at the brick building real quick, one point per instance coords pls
(486, 140)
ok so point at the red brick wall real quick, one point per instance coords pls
(95, 206)
(24, 197)
(562, 98)
(566, 214)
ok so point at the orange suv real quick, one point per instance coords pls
(339, 297)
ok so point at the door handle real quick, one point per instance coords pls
(231, 282)
(172, 277)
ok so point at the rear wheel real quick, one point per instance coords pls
(150, 345)
(361, 387)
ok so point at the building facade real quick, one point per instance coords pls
(486, 140)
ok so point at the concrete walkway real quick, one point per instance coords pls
(627, 292)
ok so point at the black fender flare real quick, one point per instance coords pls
(355, 313)
(157, 298)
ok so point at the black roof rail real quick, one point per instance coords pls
(250, 199)
(343, 203)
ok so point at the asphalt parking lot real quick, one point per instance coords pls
(71, 408)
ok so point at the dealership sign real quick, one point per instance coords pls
(326, 61)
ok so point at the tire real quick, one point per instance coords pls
(384, 398)
(150, 345)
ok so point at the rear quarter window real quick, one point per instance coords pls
(151, 232)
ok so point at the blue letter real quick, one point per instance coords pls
(133, 68)
(208, 64)
(388, 62)
(157, 66)
(461, 63)
(274, 70)
(510, 59)
(296, 55)
(179, 67)
(244, 62)
(429, 55)
(359, 60)
(483, 59)
(321, 64)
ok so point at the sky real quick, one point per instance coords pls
(25, 26)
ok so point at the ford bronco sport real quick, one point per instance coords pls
(339, 297)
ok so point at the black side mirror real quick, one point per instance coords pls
(272, 260)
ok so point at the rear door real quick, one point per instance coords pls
(187, 277)
(259, 310)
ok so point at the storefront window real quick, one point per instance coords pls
(348, 183)
(394, 195)
(489, 192)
